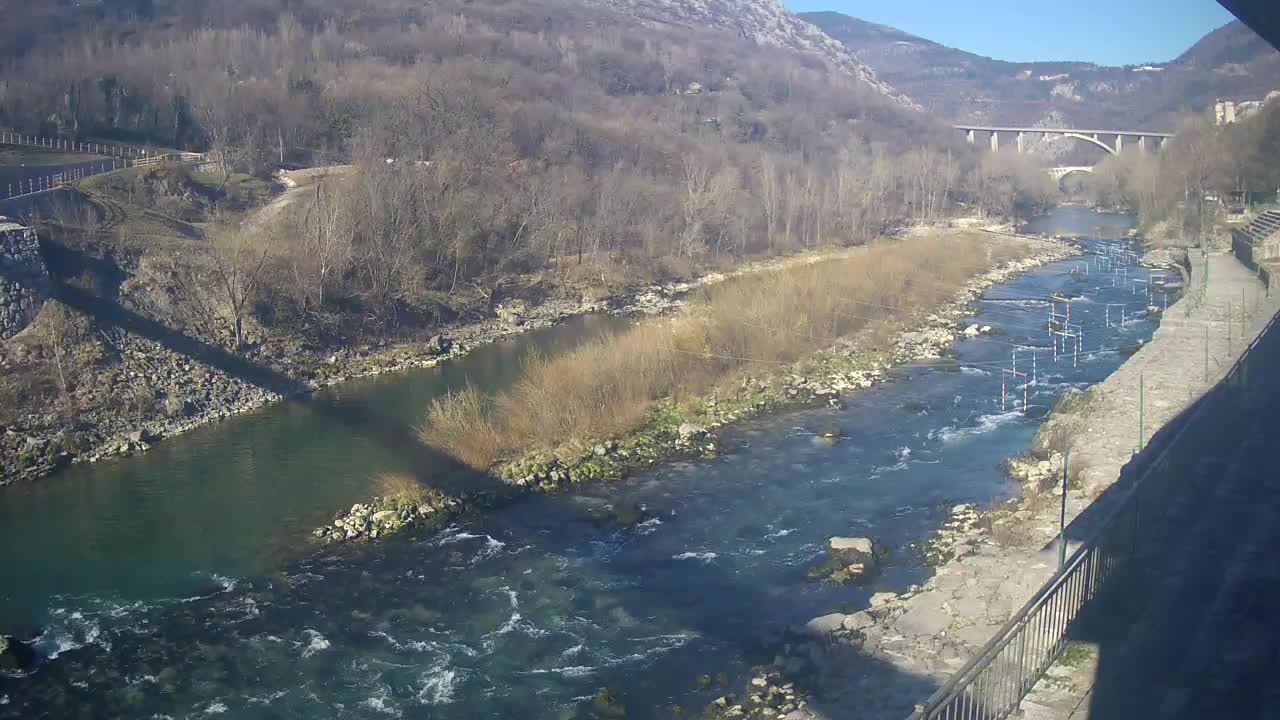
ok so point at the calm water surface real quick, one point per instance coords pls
(236, 498)
(164, 584)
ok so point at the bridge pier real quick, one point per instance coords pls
(968, 135)
(1142, 142)
(1021, 144)
(995, 140)
(1119, 143)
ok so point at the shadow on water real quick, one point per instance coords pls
(433, 468)
(200, 652)
(1187, 627)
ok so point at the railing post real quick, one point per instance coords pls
(1022, 657)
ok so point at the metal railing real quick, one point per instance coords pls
(67, 178)
(992, 684)
(8, 137)
(58, 180)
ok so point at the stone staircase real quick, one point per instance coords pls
(1256, 241)
(1263, 226)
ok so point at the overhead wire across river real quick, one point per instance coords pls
(1060, 330)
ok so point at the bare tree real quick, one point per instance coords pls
(327, 233)
(59, 337)
(696, 201)
(238, 262)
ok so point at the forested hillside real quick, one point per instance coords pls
(498, 137)
(459, 158)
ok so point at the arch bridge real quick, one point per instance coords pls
(1099, 138)
(1057, 173)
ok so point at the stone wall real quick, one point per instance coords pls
(24, 278)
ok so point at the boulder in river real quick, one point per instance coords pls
(607, 703)
(621, 515)
(849, 559)
(15, 654)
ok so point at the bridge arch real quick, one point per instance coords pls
(1057, 173)
(1060, 174)
(1094, 140)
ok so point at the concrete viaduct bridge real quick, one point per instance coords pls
(1095, 137)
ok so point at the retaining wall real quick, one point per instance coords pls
(24, 277)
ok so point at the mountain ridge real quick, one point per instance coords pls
(765, 22)
(1229, 62)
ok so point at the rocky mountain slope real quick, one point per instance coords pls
(765, 22)
(1231, 62)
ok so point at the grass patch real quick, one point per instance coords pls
(1066, 422)
(171, 200)
(462, 422)
(1076, 402)
(1076, 654)
(401, 488)
(760, 324)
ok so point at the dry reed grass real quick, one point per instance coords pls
(765, 321)
(401, 488)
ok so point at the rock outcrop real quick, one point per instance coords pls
(15, 654)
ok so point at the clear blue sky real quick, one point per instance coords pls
(1108, 32)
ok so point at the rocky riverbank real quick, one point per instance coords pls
(690, 430)
(986, 565)
(149, 388)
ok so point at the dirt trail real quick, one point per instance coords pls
(303, 182)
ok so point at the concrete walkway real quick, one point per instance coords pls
(1198, 340)
(931, 633)
(1166, 645)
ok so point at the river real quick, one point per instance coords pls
(179, 583)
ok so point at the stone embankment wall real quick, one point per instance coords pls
(24, 278)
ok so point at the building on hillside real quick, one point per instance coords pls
(1226, 112)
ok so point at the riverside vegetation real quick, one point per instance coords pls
(782, 339)
(610, 386)
(545, 153)
(1179, 193)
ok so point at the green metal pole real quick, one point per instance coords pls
(1228, 328)
(1062, 516)
(1206, 354)
(1141, 408)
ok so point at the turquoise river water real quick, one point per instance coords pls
(181, 583)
